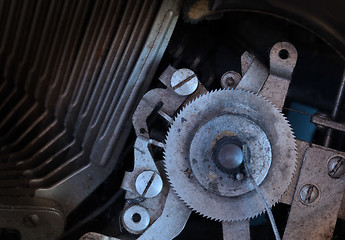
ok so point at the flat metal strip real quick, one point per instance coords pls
(315, 217)
(157, 41)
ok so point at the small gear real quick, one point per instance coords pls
(204, 157)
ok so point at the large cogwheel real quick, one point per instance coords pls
(205, 156)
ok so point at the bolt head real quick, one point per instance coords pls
(148, 184)
(336, 166)
(309, 193)
(239, 176)
(230, 79)
(184, 82)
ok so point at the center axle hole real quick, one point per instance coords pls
(136, 217)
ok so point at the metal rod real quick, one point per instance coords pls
(336, 109)
(261, 195)
(268, 210)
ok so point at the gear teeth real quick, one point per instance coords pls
(180, 111)
(259, 214)
(181, 199)
(166, 135)
(187, 104)
(178, 195)
(168, 139)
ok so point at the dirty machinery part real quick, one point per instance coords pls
(71, 74)
(208, 125)
(75, 73)
(229, 155)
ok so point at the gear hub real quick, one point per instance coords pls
(204, 155)
(229, 156)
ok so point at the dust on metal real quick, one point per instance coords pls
(178, 159)
(148, 184)
(336, 166)
(309, 193)
(230, 79)
(184, 82)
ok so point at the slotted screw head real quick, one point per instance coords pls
(184, 82)
(336, 166)
(309, 193)
(148, 184)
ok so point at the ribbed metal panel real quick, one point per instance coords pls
(71, 73)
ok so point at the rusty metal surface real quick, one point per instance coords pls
(178, 159)
(283, 58)
(71, 74)
(214, 104)
(201, 149)
(314, 216)
(236, 230)
(175, 215)
(301, 147)
(323, 121)
(254, 73)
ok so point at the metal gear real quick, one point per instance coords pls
(253, 121)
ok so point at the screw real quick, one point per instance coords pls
(184, 82)
(31, 220)
(230, 79)
(309, 193)
(239, 176)
(336, 166)
(321, 115)
(148, 184)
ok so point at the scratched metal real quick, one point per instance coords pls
(317, 219)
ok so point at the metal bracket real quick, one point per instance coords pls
(39, 217)
(162, 205)
(236, 230)
(273, 86)
(324, 121)
(146, 163)
(175, 215)
(167, 208)
(254, 73)
(283, 57)
(317, 198)
(167, 98)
